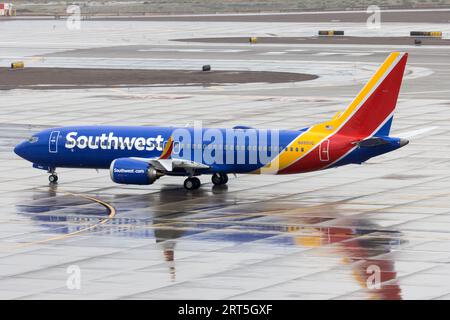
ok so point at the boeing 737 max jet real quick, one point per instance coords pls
(142, 155)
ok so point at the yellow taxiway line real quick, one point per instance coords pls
(112, 213)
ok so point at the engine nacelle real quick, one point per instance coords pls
(131, 171)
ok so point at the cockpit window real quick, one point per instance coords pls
(33, 139)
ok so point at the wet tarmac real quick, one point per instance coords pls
(319, 235)
(331, 40)
(350, 16)
(403, 15)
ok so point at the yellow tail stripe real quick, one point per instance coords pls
(368, 87)
(319, 132)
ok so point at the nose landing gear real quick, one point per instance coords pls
(53, 177)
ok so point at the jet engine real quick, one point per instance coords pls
(132, 171)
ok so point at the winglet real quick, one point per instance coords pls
(167, 152)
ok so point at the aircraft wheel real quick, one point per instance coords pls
(219, 179)
(225, 178)
(192, 183)
(197, 183)
(216, 179)
(53, 178)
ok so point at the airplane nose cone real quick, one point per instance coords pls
(20, 150)
(403, 142)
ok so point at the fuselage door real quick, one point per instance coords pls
(324, 152)
(53, 142)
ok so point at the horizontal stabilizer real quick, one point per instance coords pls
(371, 142)
(414, 133)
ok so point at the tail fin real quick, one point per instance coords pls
(372, 110)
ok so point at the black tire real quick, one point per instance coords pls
(216, 179)
(192, 183)
(53, 178)
(197, 183)
(219, 179)
(225, 178)
(189, 184)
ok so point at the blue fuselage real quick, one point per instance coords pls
(241, 150)
(97, 146)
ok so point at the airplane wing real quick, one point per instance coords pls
(167, 163)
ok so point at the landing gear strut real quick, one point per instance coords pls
(219, 179)
(192, 183)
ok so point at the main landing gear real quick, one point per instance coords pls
(219, 179)
(192, 183)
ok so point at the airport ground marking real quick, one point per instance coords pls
(112, 214)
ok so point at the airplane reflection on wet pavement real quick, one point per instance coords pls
(173, 216)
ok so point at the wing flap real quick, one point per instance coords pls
(168, 165)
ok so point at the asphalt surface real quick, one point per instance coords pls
(318, 235)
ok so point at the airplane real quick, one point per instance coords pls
(140, 155)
